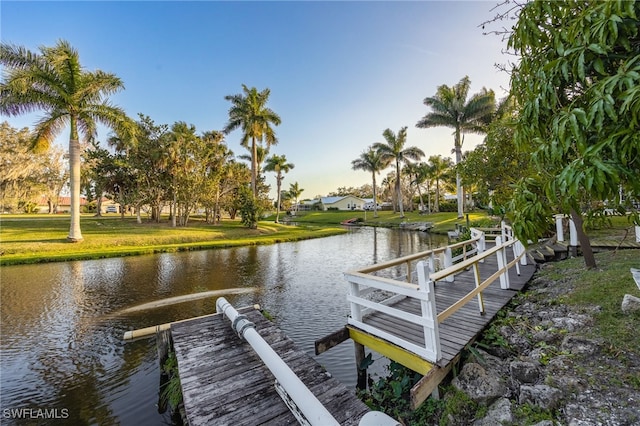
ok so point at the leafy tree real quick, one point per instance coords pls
(371, 161)
(294, 192)
(217, 168)
(250, 207)
(496, 164)
(394, 151)
(439, 168)
(279, 165)
(55, 81)
(578, 85)
(450, 108)
(249, 112)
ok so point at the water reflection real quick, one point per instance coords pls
(62, 347)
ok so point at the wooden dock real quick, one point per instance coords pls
(464, 326)
(225, 383)
(424, 322)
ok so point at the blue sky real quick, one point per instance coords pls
(340, 73)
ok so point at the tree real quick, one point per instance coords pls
(294, 192)
(439, 168)
(450, 108)
(394, 151)
(578, 87)
(279, 165)
(55, 81)
(371, 161)
(249, 112)
(496, 165)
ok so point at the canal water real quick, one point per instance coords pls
(61, 346)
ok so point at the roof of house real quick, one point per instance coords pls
(333, 200)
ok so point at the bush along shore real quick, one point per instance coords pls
(564, 352)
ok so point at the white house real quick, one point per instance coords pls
(347, 202)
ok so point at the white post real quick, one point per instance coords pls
(504, 231)
(312, 410)
(429, 311)
(521, 249)
(448, 262)
(501, 258)
(637, 234)
(559, 227)
(356, 310)
(573, 234)
(482, 244)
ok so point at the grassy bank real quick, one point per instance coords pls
(40, 238)
(443, 222)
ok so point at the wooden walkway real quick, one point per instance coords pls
(225, 383)
(464, 326)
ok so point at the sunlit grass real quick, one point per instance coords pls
(443, 222)
(604, 287)
(38, 238)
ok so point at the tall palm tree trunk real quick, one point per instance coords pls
(459, 194)
(254, 167)
(75, 234)
(279, 182)
(399, 194)
(375, 196)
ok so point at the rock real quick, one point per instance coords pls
(545, 423)
(545, 397)
(630, 304)
(499, 413)
(572, 322)
(579, 345)
(524, 372)
(478, 385)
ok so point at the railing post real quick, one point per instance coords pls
(504, 231)
(476, 275)
(501, 258)
(356, 310)
(448, 262)
(482, 244)
(559, 227)
(637, 234)
(431, 334)
(408, 271)
(521, 249)
(573, 238)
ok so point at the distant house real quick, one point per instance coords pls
(347, 202)
(64, 204)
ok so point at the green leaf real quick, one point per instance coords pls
(598, 66)
(597, 49)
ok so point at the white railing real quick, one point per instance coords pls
(362, 284)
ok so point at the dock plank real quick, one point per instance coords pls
(224, 382)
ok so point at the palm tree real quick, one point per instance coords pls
(421, 175)
(394, 150)
(450, 108)
(278, 164)
(438, 169)
(294, 192)
(261, 156)
(55, 81)
(371, 161)
(249, 112)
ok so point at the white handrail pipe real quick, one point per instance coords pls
(312, 409)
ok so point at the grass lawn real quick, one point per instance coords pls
(42, 238)
(443, 222)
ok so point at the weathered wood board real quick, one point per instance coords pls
(225, 383)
